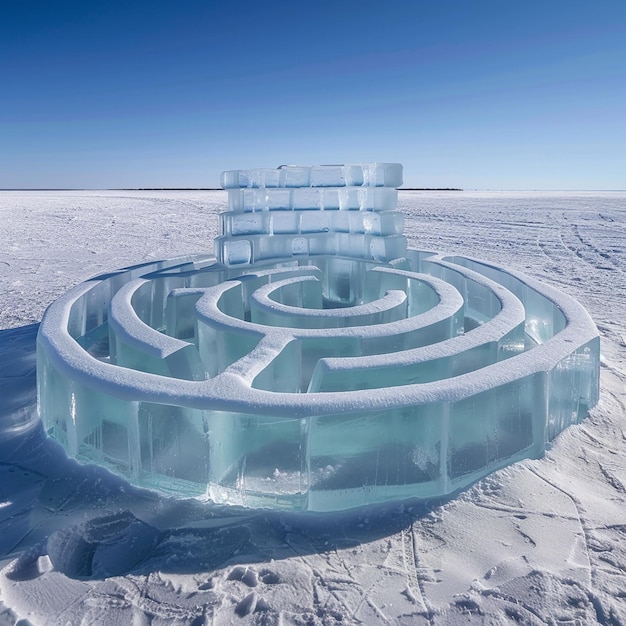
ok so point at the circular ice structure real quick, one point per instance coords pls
(316, 363)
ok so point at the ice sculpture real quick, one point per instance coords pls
(316, 363)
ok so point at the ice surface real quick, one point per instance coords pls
(316, 364)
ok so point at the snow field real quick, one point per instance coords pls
(540, 542)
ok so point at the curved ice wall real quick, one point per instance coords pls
(316, 364)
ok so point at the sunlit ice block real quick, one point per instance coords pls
(255, 248)
(303, 222)
(357, 175)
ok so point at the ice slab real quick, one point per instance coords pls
(316, 363)
(357, 175)
(327, 199)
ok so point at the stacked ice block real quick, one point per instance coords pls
(342, 210)
(317, 364)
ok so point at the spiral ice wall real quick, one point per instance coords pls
(317, 363)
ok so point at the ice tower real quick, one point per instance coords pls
(313, 363)
(338, 210)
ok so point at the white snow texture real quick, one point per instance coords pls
(540, 542)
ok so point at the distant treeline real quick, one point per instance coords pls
(220, 189)
(171, 189)
(196, 189)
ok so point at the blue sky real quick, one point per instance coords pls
(475, 94)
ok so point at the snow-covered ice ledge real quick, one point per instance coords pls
(316, 363)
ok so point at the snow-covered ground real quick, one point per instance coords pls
(541, 542)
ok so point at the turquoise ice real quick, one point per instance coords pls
(314, 362)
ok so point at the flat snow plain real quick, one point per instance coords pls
(541, 542)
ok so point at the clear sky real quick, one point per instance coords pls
(503, 94)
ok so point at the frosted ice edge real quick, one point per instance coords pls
(313, 381)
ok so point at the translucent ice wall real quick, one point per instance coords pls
(339, 210)
(316, 364)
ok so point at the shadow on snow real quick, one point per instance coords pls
(94, 524)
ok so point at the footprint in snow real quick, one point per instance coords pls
(245, 574)
(252, 602)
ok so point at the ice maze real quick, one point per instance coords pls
(314, 362)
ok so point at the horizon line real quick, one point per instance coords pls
(222, 189)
